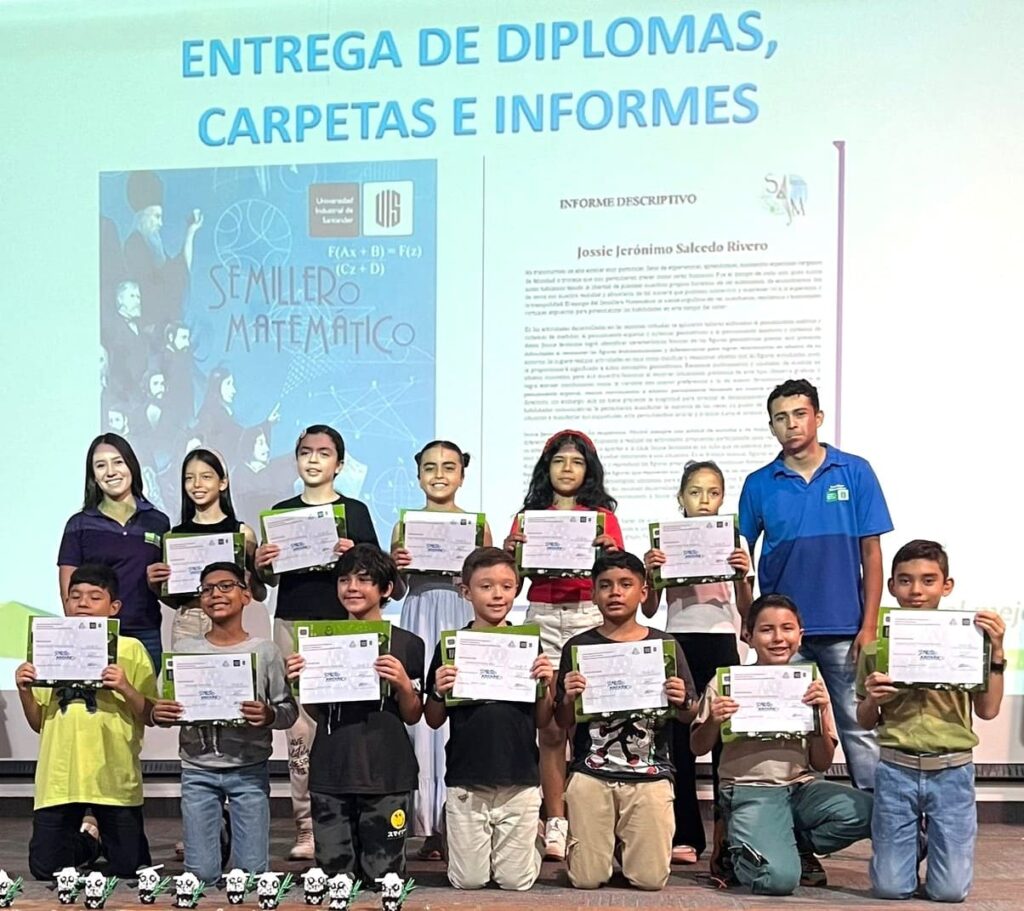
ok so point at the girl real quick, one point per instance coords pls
(206, 509)
(433, 604)
(568, 475)
(702, 618)
(119, 527)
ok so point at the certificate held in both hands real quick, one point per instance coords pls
(696, 550)
(439, 542)
(770, 699)
(938, 649)
(494, 664)
(72, 650)
(559, 542)
(340, 656)
(307, 536)
(210, 687)
(625, 678)
(188, 554)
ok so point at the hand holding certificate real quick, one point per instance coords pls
(932, 648)
(187, 554)
(210, 688)
(770, 701)
(696, 550)
(493, 665)
(624, 677)
(439, 542)
(306, 537)
(338, 660)
(72, 649)
(559, 542)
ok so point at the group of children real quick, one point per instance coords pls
(628, 795)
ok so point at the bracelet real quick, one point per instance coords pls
(436, 696)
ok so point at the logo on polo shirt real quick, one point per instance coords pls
(837, 493)
(153, 538)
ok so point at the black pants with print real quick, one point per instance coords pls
(361, 834)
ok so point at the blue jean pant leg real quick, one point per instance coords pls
(834, 659)
(828, 816)
(761, 819)
(202, 797)
(895, 823)
(952, 830)
(248, 793)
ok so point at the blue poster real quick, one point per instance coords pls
(239, 305)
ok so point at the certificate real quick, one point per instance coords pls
(559, 542)
(71, 649)
(211, 687)
(494, 665)
(339, 656)
(439, 542)
(189, 554)
(624, 677)
(307, 536)
(932, 648)
(770, 699)
(696, 550)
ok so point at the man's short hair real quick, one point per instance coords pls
(98, 574)
(618, 559)
(485, 558)
(794, 387)
(763, 603)
(371, 560)
(223, 566)
(922, 549)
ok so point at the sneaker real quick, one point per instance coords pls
(304, 847)
(812, 873)
(684, 854)
(556, 830)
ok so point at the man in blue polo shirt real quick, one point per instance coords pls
(822, 512)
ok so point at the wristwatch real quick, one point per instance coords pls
(436, 696)
(997, 667)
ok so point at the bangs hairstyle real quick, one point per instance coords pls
(794, 387)
(93, 495)
(98, 574)
(921, 549)
(619, 559)
(339, 443)
(767, 601)
(224, 566)
(591, 495)
(210, 458)
(463, 457)
(368, 560)
(692, 467)
(485, 558)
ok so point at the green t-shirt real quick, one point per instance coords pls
(920, 720)
(93, 757)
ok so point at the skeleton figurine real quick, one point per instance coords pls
(187, 890)
(342, 890)
(68, 884)
(393, 890)
(270, 888)
(314, 886)
(236, 883)
(150, 884)
(9, 889)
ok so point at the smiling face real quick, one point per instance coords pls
(492, 590)
(776, 635)
(440, 474)
(202, 483)
(919, 584)
(794, 422)
(618, 593)
(111, 472)
(222, 605)
(567, 471)
(88, 600)
(317, 460)
(702, 494)
(360, 595)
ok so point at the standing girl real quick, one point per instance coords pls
(568, 475)
(433, 604)
(702, 618)
(119, 527)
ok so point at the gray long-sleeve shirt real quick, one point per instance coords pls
(207, 746)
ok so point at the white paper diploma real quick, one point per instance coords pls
(339, 668)
(770, 699)
(69, 648)
(697, 547)
(213, 687)
(307, 537)
(189, 554)
(439, 541)
(936, 646)
(495, 666)
(559, 539)
(623, 676)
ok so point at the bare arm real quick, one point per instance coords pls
(986, 705)
(24, 677)
(871, 567)
(64, 578)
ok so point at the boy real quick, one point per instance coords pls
(620, 783)
(492, 776)
(319, 458)
(822, 513)
(362, 767)
(926, 774)
(777, 812)
(89, 746)
(226, 763)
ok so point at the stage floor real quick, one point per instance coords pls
(998, 885)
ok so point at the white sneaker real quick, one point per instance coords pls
(556, 829)
(304, 847)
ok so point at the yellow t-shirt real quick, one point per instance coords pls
(93, 757)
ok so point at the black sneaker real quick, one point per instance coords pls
(812, 873)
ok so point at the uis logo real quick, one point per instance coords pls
(388, 208)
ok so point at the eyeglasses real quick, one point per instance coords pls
(223, 587)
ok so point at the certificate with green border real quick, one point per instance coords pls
(448, 639)
(302, 629)
(661, 581)
(723, 683)
(569, 572)
(113, 626)
(169, 691)
(339, 521)
(238, 549)
(961, 618)
(447, 562)
(668, 647)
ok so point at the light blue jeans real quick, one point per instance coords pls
(945, 799)
(839, 671)
(203, 792)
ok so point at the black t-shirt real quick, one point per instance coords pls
(313, 594)
(623, 749)
(364, 747)
(490, 744)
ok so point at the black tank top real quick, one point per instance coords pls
(228, 525)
